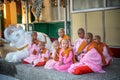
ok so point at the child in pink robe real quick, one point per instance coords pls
(54, 56)
(66, 57)
(104, 49)
(43, 55)
(79, 43)
(62, 36)
(90, 61)
(33, 48)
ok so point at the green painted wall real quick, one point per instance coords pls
(50, 28)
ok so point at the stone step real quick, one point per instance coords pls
(27, 72)
(4, 77)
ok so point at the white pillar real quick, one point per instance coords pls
(27, 17)
(65, 17)
(59, 15)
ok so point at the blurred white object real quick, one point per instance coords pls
(20, 38)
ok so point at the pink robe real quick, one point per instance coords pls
(66, 60)
(106, 55)
(77, 43)
(41, 57)
(92, 59)
(32, 56)
(50, 63)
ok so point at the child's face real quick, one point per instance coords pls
(60, 33)
(56, 46)
(80, 34)
(96, 39)
(88, 39)
(42, 46)
(65, 44)
(34, 36)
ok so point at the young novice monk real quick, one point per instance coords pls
(61, 34)
(80, 43)
(66, 57)
(43, 55)
(33, 48)
(55, 56)
(91, 60)
(104, 49)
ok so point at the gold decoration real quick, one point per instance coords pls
(22, 47)
(54, 3)
(62, 3)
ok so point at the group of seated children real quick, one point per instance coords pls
(38, 53)
(85, 56)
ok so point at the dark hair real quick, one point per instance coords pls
(90, 35)
(34, 32)
(81, 29)
(97, 36)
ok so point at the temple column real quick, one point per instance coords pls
(7, 17)
(46, 12)
(13, 12)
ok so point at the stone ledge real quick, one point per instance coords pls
(4, 77)
(27, 72)
(5, 49)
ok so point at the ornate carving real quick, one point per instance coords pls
(36, 9)
(62, 3)
(54, 3)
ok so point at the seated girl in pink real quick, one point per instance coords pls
(33, 48)
(66, 57)
(43, 55)
(104, 49)
(54, 56)
(62, 36)
(91, 60)
(79, 44)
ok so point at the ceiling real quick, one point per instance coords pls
(11, 0)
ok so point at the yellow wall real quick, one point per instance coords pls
(78, 20)
(95, 25)
(46, 12)
(54, 13)
(112, 27)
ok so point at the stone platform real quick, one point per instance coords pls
(11, 71)
(27, 72)
(4, 77)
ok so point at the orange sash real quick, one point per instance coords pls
(56, 58)
(66, 52)
(81, 47)
(44, 52)
(94, 45)
(100, 47)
